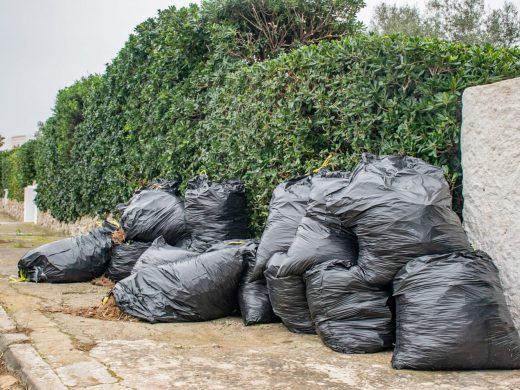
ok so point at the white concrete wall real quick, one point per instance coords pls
(490, 142)
(30, 211)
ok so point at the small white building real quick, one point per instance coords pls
(16, 140)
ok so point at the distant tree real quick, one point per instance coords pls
(458, 20)
(391, 19)
(503, 26)
(2, 140)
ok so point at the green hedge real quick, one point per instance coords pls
(385, 95)
(177, 100)
(18, 169)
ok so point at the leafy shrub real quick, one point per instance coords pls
(57, 156)
(17, 169)
(385, 95)
(180, 98)
(266, 28)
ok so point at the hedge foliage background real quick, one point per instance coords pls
(186, 95)
(18, 169)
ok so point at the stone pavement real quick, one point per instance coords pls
(83, 353)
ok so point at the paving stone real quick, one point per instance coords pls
(6, 339)
(34, 371)
(6, 323)
(88, 373)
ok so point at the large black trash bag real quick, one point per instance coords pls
(198, 288)
(399, 208)
(215, 211)
(75, 259)
(320, 235)
(160, 253)
(253, 298)
(287, 296)
(350, 315)
(123, 259)
(452, 314)
(155, 210)
(286, 210)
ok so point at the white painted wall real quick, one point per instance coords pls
(490, 143)
(30, 211)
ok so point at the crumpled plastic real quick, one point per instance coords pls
(253, 297)
(452, 315)
(124, 256)
(160, 253)
(155, 210)
(286, 210)
(320, 235)
(287, 295)
(197, 288)
(399, 208)
(215, 211)
(350, 315)
(75, 259)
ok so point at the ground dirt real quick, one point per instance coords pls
(222, 354)
(9, 380)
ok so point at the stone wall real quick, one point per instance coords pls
(83, 225)
(490, 143)
(13, 208)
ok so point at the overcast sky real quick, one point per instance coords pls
(46, 45)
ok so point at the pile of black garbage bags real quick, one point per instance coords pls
(369, 260)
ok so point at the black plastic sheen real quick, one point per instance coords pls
(350, 315)
(75, 259)
(215, 211)
(452, 315)
(155, 210)
(199, 288)
(287, 295)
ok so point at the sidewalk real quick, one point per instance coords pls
(83, 353)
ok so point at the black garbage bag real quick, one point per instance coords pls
(452, 315)
(215, 211)
(320, 235)
(75, 259)
(160, 253)
(198, 288)
(350, 315)
(286, 210)
(155, 210)
(124, 256)
(253, 298)
(399, 208)
(287, 296)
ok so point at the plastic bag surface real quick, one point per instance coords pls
(320, 235)
(123, 259)
(399, 208)
(286, 210)
(350, 315)
(253, 297)
(199, 288)
(155, 210)
(215, 211)
(452, 314)
(75, 259)
(160, 253)
(287, 295)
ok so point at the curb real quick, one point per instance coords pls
(21, 357)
